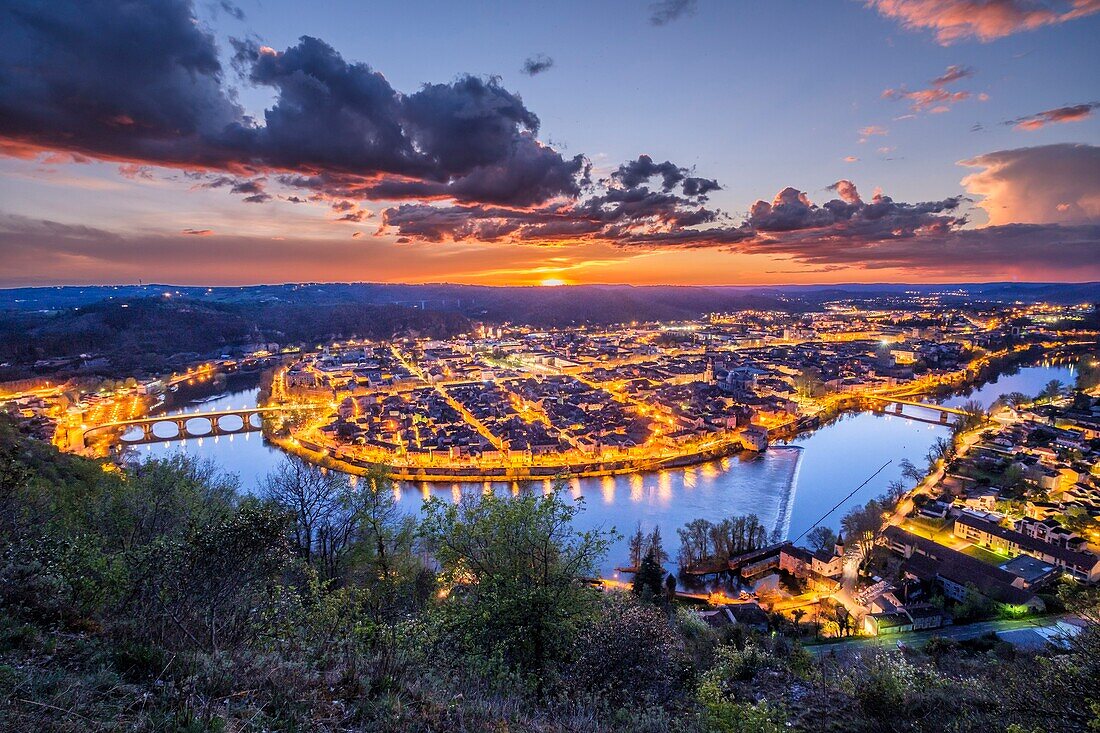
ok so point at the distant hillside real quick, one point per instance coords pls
(593, 303)
(138, 334)
(137, 327)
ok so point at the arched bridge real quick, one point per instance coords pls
(900, 402)
(214, 422)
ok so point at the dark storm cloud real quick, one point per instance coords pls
(249, 187)
(639, 217)
(537, 64)
(666, 11)
(141, 83)
(792, 216)
(137, 82)
(1023, 249)
(636, 172)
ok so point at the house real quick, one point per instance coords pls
(981, 497)
(934, 509)
(754, 438)
(747, 615)
(918, 617)
(1050, 531)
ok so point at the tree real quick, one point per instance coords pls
(322, 507)
(910, 471)
(649, 579)
(656, 545)
(641, 544)
(821, 538)
(695, 542)
(637, 547)
(1015, 400)
(210, 587)
(383, 547)
(1014, 479)
(516, 566)
(628, 654)
(862, 525)
(1051, 390)
(941, 450)
(736, 535)
(807, 383)
(895, 490)
(798, 614)
(1088, 373)
(843, 619)
(974, 416)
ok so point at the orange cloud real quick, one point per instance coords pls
(1048, 184)
(985, 20)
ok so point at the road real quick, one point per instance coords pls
(967, 631)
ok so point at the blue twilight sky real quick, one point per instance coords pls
(760, 96)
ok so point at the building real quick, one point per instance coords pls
(957, 573)
(1080, 564)
(919, 617)
(755, 438)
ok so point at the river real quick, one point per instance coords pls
(790, 487)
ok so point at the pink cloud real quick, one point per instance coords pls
(1040, 185)
(870, 131)
(935, 98)
(985, 20)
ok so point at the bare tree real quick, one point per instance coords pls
(910, 471)
(637, 547)
(862, 526)
(322, 507)
(657, 546)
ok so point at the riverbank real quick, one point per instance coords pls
(324, 456)
(979, 371)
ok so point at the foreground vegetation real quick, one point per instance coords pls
(164, 598)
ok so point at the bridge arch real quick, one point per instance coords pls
(223, 422)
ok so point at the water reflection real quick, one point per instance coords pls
(788, 487)
(1029, 380)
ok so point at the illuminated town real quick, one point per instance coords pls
(646, 366)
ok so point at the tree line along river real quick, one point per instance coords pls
(789, 486)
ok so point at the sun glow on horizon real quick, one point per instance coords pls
(551, 282)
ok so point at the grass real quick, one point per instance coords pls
(987, 556)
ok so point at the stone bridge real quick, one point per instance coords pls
(882, 402)
(215, 423)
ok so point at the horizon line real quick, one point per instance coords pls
(553, 287)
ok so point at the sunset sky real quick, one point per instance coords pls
(705, 142)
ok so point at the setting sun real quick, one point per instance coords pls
(550, 282)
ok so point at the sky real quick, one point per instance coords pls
(674, 142)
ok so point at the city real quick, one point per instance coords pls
(638, 366)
